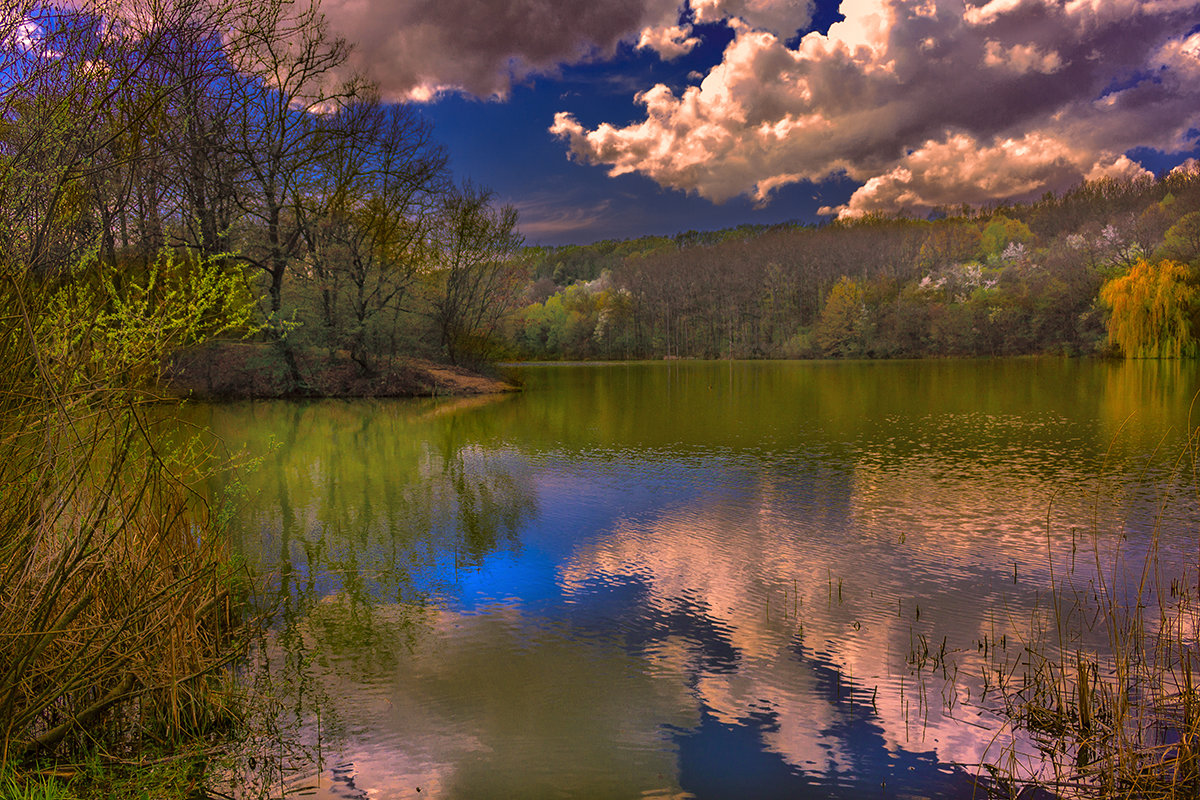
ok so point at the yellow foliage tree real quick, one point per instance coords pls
(844, 329)
(1154, 310)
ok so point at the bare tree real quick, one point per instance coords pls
(369, 221)
(476, 280)
(289, 87)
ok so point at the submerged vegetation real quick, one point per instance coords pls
(1104, 683)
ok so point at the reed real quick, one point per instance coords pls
(1106, 684)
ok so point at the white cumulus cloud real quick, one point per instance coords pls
(669, 41)
(925, 102)
(959, 169)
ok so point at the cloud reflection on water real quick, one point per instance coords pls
(492, 608)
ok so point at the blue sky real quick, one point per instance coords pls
(618, 118)
(506, 145)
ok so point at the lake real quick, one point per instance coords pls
(691, 579)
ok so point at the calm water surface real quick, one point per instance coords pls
(709, 580)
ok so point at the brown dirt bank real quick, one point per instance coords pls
(238, 370)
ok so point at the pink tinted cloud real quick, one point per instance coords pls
(417, 48)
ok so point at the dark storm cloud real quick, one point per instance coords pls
(415, 48)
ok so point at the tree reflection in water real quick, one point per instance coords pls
(358, 523)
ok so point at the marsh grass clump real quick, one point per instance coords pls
(1107, 684)
(115, 617)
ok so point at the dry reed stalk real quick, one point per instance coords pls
(1123, 720)
(120, 600)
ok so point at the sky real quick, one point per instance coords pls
(602, 119)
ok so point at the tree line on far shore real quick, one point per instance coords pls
(1110, 267)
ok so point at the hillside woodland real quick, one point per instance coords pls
(1111, 267)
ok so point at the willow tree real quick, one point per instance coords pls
(1155, 310)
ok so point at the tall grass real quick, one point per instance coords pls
(40, 788)
(115, 607)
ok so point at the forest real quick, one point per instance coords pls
(228, 145)
(148, 144)
(1110, 268)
